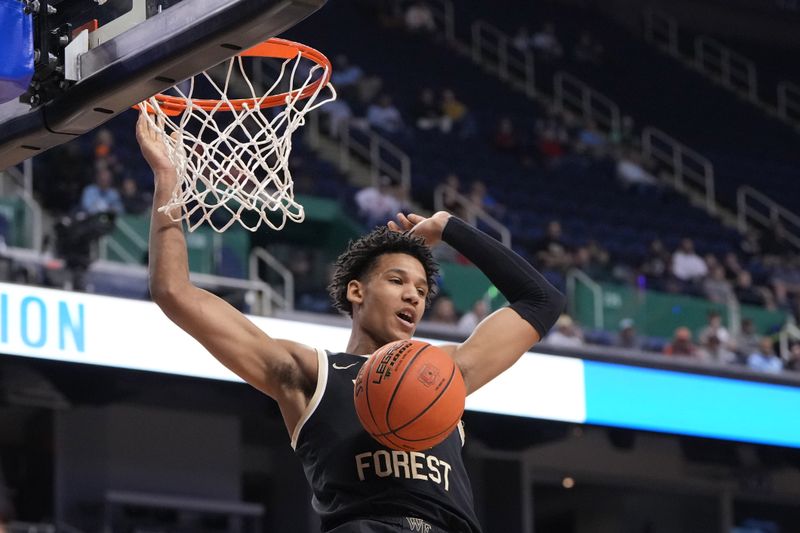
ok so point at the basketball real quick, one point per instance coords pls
(409, 395)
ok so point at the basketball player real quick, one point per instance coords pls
(384, 281)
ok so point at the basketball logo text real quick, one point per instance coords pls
(403, 465)
(389, 360)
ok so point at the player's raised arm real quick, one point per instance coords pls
(501, 338)
(284, 370)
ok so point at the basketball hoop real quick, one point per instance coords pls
(238, 162)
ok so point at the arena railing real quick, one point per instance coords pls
(576, 277)
(22, 184)
(732, 70)
(260, 296)
(260, 257)
(755, 208)
(572, 94)
(494, 50)
(789, 102)
(382, 157)
(473, 213)
(661, 31)
(722, 64)
(691, 172)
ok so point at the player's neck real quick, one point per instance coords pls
(360, 344)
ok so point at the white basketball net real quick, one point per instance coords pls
(238, 161)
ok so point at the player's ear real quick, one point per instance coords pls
(355, 292)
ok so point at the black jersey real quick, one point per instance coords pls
(354, 477)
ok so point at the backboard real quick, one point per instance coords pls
(136, 48)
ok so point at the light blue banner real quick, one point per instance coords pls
(691, 404)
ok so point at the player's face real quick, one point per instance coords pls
(393, 298)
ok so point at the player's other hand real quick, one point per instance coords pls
(429, 228)
(153, 149)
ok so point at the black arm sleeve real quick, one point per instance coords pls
(528, 293)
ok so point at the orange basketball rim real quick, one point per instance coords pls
(272, 48)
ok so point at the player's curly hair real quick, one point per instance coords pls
(357, 261)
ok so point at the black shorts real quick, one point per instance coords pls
(387, 525)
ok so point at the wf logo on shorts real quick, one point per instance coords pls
(418, 524)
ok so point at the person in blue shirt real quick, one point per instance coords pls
(101, 196)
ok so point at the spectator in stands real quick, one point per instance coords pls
(378, 204)
(656, 264)
(385, 117)
(101, 196)
(352, 83)
(105, 153)
(550, 142)
(593, 260)
(428, 113)
(522, 39)
(732, 266)
(591, 137)
(713, 349)
(469, 321)
(632, 174)
(687, 266)
(750, 245)
(588, 50)
(339, 114)
(716, 288)
(627, 337)
(450, 199)
(749, 294)
(793, 363)
(480, 198)
(443, 311)
(546, 44)
(565, 334)
(505, 138)
(785, 280)
(419, 18)
(625, 135)
(715, 328)
(134, 201)
(747, 340)
(765, 359)
(681, 345)
(458, 114)
(550, 251)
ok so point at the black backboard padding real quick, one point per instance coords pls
(123, 71)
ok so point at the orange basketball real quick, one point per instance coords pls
(409, 395)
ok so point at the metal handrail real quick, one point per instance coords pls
(444, 14)
(24, 183)
(375, 151)
(661, 30)
(750, 206)
(789, 332)
(107, 242)
(688, 168)
(789, 102)
(260, 255)
(570, 93)
(574, 276)
(263, 305)
(722, 64)
(472, 212)
(730, 68)
(493, 49)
